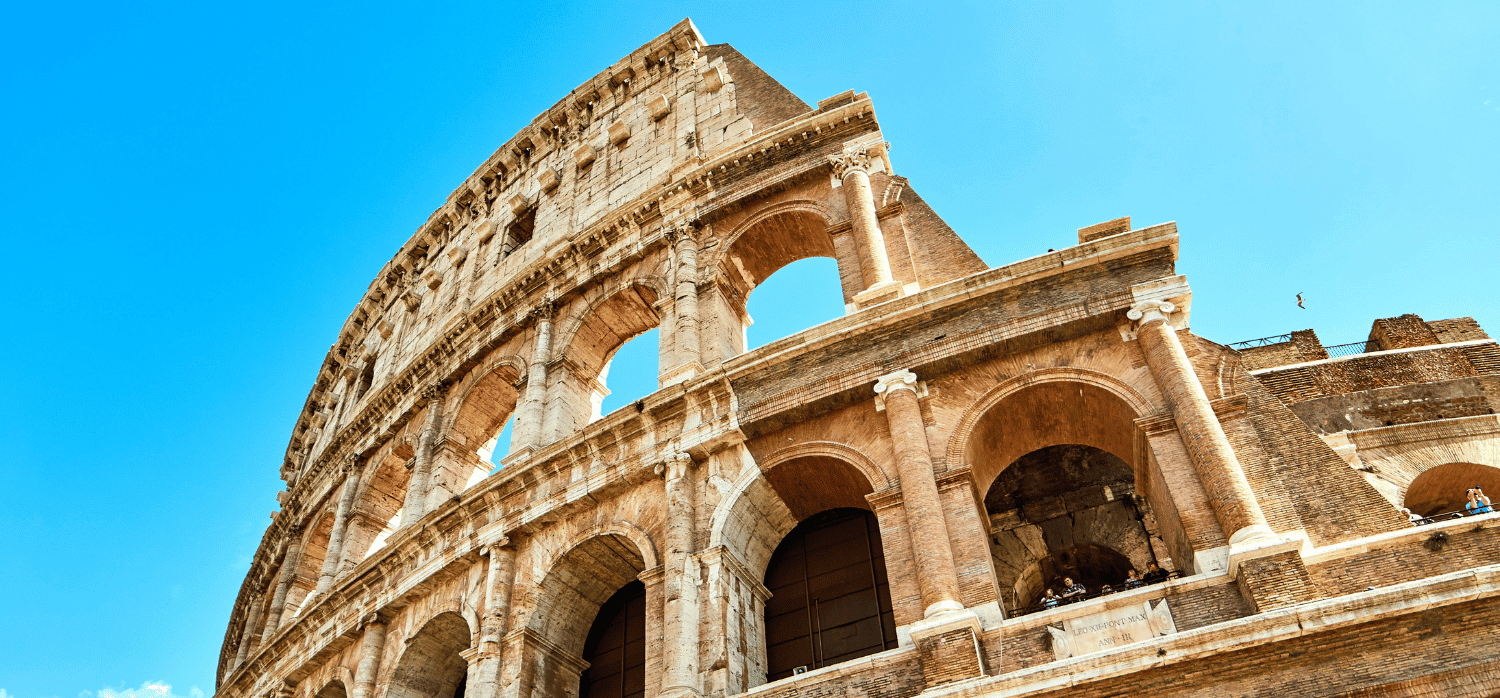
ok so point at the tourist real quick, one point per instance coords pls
(1131, 580)
(1154, 574)
(1415, 519)
(1073, 590)
(1050, 600)
(1478, 503)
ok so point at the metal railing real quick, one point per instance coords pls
(1105, 590)
(1350, 349)
(1262, 342)
(1452, 515)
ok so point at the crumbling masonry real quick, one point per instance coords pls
(872, 506)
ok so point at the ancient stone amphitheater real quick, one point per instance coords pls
(883, 504)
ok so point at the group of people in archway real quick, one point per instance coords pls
(1477, 503)
(1073, 592)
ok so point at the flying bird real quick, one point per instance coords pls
(1299, 302)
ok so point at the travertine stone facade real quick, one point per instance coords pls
(997, 429)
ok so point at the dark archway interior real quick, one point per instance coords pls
(1065, 511)
(616, 647)
(1444, 489)
(830, 599)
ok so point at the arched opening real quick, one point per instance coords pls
(1444, 488)
(378, 509)
(764, 248)
(1066, 511)
(1058, 462)
(830, 597)
(824, 565)
(630, 373)
(334, 689)
(616, 647)
(483, 418)
(802, 294)
(573, 608)
(431, 666)
(309, 566)
(576, 387)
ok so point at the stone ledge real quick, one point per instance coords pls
(1261, 629)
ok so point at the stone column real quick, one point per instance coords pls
(283, 585)
(359, 534)
(854, 170)
(334, 558)
(484, 673)
(369, 658)
(685, 305)
(897, 395)
(527, 432)
(680, 611)
(421, 472)
(252, 617)
(1233, 501)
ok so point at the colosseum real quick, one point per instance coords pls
(1031, 479)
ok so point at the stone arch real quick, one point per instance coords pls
(486, 400)
(577, 314)
(767, 502)
(588, 336)
(961, 443)
(496, 372)
(378, 501)
(799, 207)
(578, 582)
(333, 688)
(878, 478)
(1443, 488)
(1061, 426)
(309, 564)
(624, 529)
(430, 665)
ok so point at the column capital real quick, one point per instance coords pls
(897, 380)
(1146, 312)
(544, 310)
(674, 465)
(685, 230)
(845, 164)
(434, 391)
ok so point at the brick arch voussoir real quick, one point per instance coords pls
(878, 477)
(579, 312)
(958, 441)
(708, 264)
(460, 397)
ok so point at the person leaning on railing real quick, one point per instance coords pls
(1154, 574)
(1415, 519)
(1073, 591)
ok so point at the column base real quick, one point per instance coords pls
(680, 374)
(1257, 547)
(948, 647)
(879, 293)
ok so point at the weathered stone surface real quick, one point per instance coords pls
(659, 194)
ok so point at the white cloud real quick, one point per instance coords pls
(149, 689)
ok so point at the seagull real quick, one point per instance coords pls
(1299, 302)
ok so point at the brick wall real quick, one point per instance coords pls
(758, 95)
(1331, 499)
(1011, 650)
(1465, 547)
(894, 679)
(1401, 332)
(949, 657)
(1275, 581)
(1456, 641)
(1459, 329)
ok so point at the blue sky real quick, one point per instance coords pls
(194, 197)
